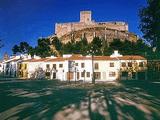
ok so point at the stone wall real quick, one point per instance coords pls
(90, 28)
(64, 28)
(102, 32)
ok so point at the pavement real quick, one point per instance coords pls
(52, 100)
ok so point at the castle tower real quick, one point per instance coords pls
(85, 16)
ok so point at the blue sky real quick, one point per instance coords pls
(27, 20)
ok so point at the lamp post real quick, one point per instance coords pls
(63, 75)
(119, 70)
(92, 55)
(84, 71)
(93, 80)
(75, 70)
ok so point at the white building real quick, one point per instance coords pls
(78, 67)
(10, 66)
(1, 67)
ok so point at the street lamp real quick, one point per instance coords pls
(84, 71)
(91, 51)
(63, 75)
(119, 70)
(75, 70)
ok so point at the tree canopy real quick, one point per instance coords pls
(43, 48)
(23, 48)
(98, 46)
(150, 22)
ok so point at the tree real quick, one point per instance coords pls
(150, 22)
(57, 43)
(15, 49)
(127, 47)
(116, 44)
(68, 48)
(83, 45)
(56, 46)
(107, 51)
(39, 74)
(31, 51)
(43, 49)
(96, 46)
(23, 48)
(140, 48)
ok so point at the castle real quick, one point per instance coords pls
(88, 28)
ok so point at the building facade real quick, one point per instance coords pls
(1, 67)
(84, 68)
(10, 66)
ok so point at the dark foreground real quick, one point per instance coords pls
(47, 100)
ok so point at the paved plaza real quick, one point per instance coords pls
(47, 100)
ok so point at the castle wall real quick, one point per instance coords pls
(64, 28)
(106, 30)
(102, 32)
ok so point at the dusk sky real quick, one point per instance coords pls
(27, 20)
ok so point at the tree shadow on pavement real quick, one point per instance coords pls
(51, 100)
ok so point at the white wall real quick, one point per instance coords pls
(61, 73)
(105, 69)
(87, 68)
(1, 68)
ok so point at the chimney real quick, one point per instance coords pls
(116, 54)
(36, 57)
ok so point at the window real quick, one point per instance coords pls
(82, 74)
(123, 64)
(76, 64)
(77, 75)
(111, 64)
(60, 65)
(88, 74)
(48, 66)
(124, 74)
(141, 64)
(129, 64)
(54, 75)
(25, 66)
(112, 74)
(20, 66)
(133, 75)
(54, 66)
(96, 66)
(97, 75)
(82, 65)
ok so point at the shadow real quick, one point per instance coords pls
(63, 101)
(111, 105)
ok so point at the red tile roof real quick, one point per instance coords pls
(107, 58)
(55, 59)
(132, 57)
(78, 57)
(36, 60)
